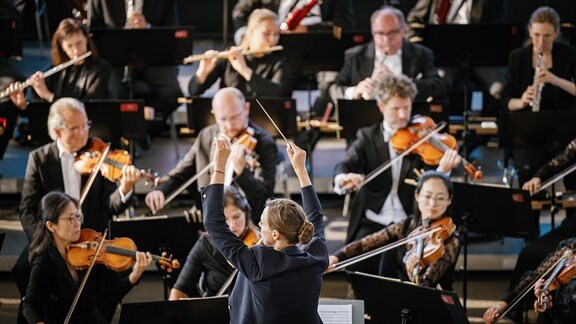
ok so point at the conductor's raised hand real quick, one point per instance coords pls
(221, 152)
(297, 158)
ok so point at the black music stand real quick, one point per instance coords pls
(172, 234)
(478, 45)
(282, 111)
(549, 131)
(405, 302)
(111, 120)
(194, 310)
(317, 51)
(355, 114)
(491, 210)
(11, 30)
(2, 236)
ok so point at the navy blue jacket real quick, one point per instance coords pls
(272, 286)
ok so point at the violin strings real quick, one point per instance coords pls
(273, 123)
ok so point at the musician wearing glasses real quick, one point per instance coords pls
(50, 168)
(231, 112)
(256, 75)
(388, 54)
(550, 84)
(433, 196)
(387, 198)
(86, 79)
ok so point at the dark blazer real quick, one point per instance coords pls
(482, 11)
(417, 63)
(51, 291)
(90, 80)
(112, 13)
(271, 77)
(334, 12)
(520, 74)
(44, 174)
(204, 259)
(367, 153)
(272, 286)
(257, 186)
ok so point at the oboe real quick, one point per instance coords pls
(535, 104)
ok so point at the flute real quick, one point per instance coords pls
(6, 93)
(224, 54)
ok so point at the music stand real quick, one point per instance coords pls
(282, 111)
(2, 236)
(317, 51)
(490, 210)
(111, 120)
(175, 235)
(11, 29)
(355, 114)
(479, 45)
(407, 303)
(194, 310)
(158, 46)
(521, 129)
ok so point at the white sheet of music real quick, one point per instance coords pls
(335, 314)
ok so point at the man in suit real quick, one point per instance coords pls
(231, 112)
(388, 54)
(50, 167)
(387, 198)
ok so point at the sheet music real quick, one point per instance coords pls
(335, 314)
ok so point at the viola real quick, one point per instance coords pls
(250, 237)
(429, 249)
(117, 254)
(87, 159)
(431, 151)
(565, 275)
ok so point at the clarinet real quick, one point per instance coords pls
(535, 104)
(296, 16)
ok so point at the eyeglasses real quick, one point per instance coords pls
(74, 217)
(390, 33)
(75, 129)
(438, 199)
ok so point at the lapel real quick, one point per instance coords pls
(54, 168)
(367, 64)
(61, 266)
(408, 59)
(382, 147)
(476, 11)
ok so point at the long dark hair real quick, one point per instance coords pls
(66, 28)
(425, 177)
(52, 206)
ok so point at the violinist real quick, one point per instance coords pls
(50, 168)
(533, 253)
(54, 281)
(206, 270)
(279, 280)
(387, 199)
(433, 196)
(87, 79)
(256, 75)
(231, 112)
(560, 303)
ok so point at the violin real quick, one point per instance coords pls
(431, 151)
(427, 250)
(248, 141)
(250, 237)
(566, 274)
(115, 160)
(117, 254)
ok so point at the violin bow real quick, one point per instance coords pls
(346, 263)
(85, 279)
(525, 292)
(376, 172)
(92, 177)
(556, 178)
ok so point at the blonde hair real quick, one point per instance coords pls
(288, 218)
(256, 18)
